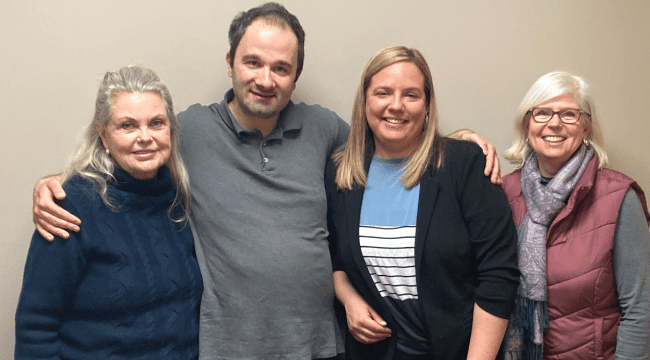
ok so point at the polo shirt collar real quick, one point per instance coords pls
(285, 122)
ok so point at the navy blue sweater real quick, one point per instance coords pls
(127, 286)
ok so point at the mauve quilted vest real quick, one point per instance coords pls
(583, 309)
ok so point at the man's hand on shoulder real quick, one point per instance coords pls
(51, 219)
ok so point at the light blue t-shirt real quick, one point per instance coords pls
(387, 239)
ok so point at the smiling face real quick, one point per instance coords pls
(263, 72)
(138, 135)
(555, 142)
(396, 109)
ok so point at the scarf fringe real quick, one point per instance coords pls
(521, 333)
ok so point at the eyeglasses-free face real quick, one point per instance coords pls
(138, 134)
(567, 116)
(396, 109)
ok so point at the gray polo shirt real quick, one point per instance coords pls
(259, 219)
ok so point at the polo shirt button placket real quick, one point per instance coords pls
(265, 159)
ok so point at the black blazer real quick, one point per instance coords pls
(465, 252)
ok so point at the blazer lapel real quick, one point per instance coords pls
(352, 200)
(429, 186)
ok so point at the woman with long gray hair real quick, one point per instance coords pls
(127, 286)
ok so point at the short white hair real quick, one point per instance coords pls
(552, 85)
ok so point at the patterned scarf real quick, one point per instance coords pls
(524, 337)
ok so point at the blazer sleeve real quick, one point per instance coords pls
(493, 235)
(52, 272)
(331, 192)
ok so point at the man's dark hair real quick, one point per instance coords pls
(273, 12)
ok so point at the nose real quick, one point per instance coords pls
(554, 120)
(264, 78)
(396, 104)
(144, 135)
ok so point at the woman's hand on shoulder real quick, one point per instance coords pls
(364, 323)
(492, 165)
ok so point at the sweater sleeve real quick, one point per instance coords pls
(631, 261)
(52, 271)
(493, 237)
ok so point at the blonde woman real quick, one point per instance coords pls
(423, 244)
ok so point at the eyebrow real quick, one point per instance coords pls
(414, 88)
(157, 116)
(286, 64)
(255, 57)
(249, 57)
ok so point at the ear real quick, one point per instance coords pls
(102, 137)
(228, 63)
(298, 72)
(526, 121)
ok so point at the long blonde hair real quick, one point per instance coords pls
(548, 86)
(361, 145)
(91, 162)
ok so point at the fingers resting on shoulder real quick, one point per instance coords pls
(49, 218)
(492, 165)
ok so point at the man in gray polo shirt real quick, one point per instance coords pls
(256, 163)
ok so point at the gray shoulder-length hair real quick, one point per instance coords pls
(361, 144)
(91, 161)
(548, 86)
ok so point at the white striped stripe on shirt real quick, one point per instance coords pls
(389, 253)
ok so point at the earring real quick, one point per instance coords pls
(108, 153)
(526, 142)
(586, 142)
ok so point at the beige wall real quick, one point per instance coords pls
(484, 56)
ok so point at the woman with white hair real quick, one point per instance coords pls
(584, 245)
(128, 285)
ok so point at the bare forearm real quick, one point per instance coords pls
(343, 289)
(364, 323)
(487, 334)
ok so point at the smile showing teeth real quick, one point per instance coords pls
(395, 121)
(553, 138)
